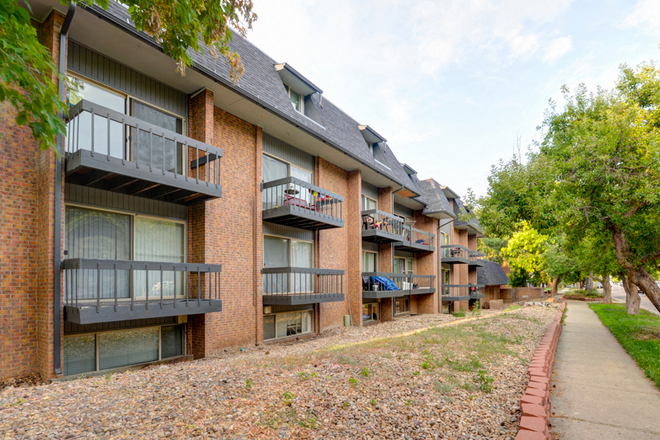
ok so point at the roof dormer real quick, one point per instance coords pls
(374, 140)
(300, 90)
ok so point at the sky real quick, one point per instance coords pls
(456, 85)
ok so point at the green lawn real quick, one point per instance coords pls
(639, 335)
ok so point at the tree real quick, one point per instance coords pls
(560, 266)
(27, 70)
(604, 150)
(595, 180)
(524, 254)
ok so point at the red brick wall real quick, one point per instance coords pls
(426, 263)
(332, 244)
(19, 246)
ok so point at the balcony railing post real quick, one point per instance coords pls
(161, 286)
(116, 286)
(146, 302)
(175, 284)
(151, 150)
(137, 146)
(108, 119)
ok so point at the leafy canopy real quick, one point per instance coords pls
(28, 73)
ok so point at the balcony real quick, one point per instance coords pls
(391, 285)
(116, 152)
(381, 227)
(476, 291)
(293, 202)
(292, 286)
(455, 254)
(415, 240)
(455, 292)
(476, 259)
(118, 290)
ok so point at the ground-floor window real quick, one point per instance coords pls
(402, 305)
(370, 312)
(121, 348)
(281, 325)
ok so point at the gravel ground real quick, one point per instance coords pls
(449, 382)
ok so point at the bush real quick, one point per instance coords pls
(460, 314)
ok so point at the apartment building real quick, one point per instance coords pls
(190, 214)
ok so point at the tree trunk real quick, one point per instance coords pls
(555, 286)
(632, 297)
(607, 289)
(646, 282)
(589, 283)
(581, 284)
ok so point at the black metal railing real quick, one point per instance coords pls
(103, 283)
(455, 252)
(455, 290)
(315, 285)
(132, 142)
(299, 197)
(416, 238)
(398, 283)
(377, 222)
(477, 258)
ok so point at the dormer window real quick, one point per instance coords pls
(296, 98)
(303, 94)
(374, 141)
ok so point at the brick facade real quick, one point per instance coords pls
(226, 231)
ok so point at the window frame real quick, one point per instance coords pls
(364, 251)
(133, 216)
(366, 197)
(289, 165)
(160, 345)
(289, 239)
(406, 301)
(275, 314)
(288, 89)
(376, 305)
(128, 107)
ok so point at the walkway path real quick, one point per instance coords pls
(599, 391)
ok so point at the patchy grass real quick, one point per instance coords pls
(581, 294)
(638, 334)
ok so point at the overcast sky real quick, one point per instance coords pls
(452, 84)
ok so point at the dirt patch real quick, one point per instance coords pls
(25, 380)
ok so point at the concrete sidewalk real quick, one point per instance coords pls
(599, 391)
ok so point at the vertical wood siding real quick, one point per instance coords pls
(111, 200)
(95, 66)
(288, 153)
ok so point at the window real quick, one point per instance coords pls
(106, 350)
(296, 98)
(275, 169)
(370, 312)
(444, 238)
(163, 154)
(402, 305)
(369, 261)
(104, 235)
(281, 325)
(403, 265)
(368, 204)
(285, 252)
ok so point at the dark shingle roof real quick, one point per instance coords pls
(434, 198)
(262, 83)
(491, 274)
(461, 210)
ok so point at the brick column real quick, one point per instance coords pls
(200, 127)
(386, 253)
(44, 228)
(426, 263)
(353, 226)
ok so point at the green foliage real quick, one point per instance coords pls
(638, 334)
(524, 254)
(248, 384)
(485, 381)
(459, 314)
(353, 381)
(28, 74)
(365, 372)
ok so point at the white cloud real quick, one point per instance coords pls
(557, 48)
(645, 12)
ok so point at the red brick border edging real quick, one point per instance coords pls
(535, 403)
